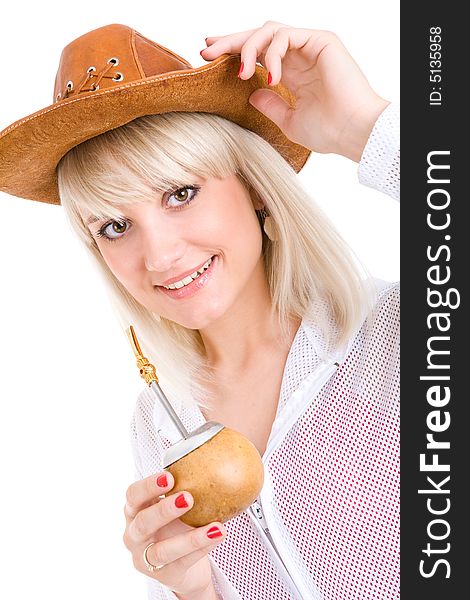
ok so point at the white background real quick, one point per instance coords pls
(68, 381)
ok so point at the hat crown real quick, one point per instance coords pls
(108, 57)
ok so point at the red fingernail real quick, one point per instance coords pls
(202, 51)
(180, 502)
(162, 481)
(270, 78)
(241, 69)
(214, 532)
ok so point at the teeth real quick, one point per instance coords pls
(179, 284)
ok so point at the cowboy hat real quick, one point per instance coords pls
(113, 75)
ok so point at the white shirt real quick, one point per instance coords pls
(326, 523)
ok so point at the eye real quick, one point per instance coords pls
(183, 196)
(113, 230)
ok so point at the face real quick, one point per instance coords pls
(202, 241)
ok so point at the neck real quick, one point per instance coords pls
(249, 329)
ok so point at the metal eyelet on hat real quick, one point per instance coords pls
(118, 77)
(113, 61)
(70, 85)
(91, 69)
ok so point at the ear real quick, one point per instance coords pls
(258, 203)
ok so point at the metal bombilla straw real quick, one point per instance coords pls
(191, 440)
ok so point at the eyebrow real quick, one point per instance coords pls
(92, 219)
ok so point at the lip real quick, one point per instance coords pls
(183, 275)
(194, 286)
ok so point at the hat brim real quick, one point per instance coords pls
(31, 148)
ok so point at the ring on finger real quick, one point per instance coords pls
(150, 567)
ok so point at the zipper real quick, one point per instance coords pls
(257, 515)
(255, 511)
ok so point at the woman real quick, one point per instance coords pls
(273, 322)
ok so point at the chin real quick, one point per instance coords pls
(200, 322)
(200, 319)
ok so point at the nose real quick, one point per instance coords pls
(162, 248)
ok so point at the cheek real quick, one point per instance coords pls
(210, 227)
(245, 235)
(123, 264)
(231, 224)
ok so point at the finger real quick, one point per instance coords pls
(211, 40)
(284, 39)
(275, 53)
(227, 44)
(256, 46)
(147, 491)
(181, 552)
(149, 520)
(271, 42)
(273, 106)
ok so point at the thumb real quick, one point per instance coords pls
(271, 105)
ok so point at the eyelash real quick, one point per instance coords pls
(101, 233)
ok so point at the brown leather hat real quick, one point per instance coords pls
(113, 75)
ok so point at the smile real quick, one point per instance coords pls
(191, 284)
(189, 279)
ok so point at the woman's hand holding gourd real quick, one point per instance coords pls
(336, 108)
(183, 550)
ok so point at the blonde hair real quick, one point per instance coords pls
(308, 263)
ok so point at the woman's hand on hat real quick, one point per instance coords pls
(336, 108)
(162, 546)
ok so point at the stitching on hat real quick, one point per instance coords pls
(117, 89)
(135, 54)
